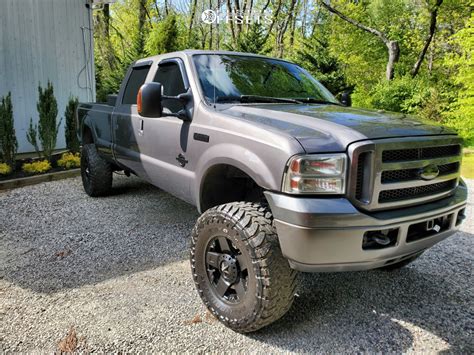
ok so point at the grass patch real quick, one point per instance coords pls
(467, 169)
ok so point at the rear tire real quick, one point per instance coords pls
(96, 172)
(400, 264)
(238, 268)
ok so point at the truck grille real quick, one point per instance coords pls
(420, 153)
(385, 176)
(412, 174)
(413, 192)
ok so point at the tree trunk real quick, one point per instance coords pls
(281, 34)
(191, 21)
(393, 56)
(210, 27)
(421, 56)
(232, 29)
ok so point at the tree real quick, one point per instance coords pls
(393, 47)
(8, 142)
(164, 37)
(72, 141)
(254, 41)
(315, 56)
(432, 29)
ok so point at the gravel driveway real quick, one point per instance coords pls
(113, 274)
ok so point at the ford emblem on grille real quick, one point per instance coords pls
(429, 172)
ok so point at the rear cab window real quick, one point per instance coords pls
(135, 81)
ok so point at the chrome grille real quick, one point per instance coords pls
(383, 176)
(413, 174)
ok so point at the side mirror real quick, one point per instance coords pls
(149, 100)
(346, 99)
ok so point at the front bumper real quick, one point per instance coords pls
(326, 234)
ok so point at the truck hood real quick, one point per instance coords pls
(331, 128)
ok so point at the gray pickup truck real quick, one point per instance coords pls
(286, 177)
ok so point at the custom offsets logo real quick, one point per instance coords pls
(209, 16)
(239, 17)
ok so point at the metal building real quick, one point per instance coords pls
(43, 40)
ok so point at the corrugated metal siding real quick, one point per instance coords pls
(42, 40)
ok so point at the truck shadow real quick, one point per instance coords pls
(379, 311)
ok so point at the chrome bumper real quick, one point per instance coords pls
(324, 234)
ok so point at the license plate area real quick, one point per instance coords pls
(428, 228)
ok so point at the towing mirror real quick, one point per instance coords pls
(149, 100)
(346, 99)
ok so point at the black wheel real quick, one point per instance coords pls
(96, 172)
(238, 268)
(400, 264)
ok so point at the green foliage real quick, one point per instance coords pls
(253, 41)
(8, 142)
(460, 114)
(164, 37)
(36, 167)
(32, 137)
(317, 59)
(401, 95)
(70, 161)
(5, 169)
(47, 127)
(467, 169)
(72, 141)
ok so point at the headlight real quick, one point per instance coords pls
(316, 174)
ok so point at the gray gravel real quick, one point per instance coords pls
(116, 270)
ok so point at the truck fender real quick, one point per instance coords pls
(238, 157)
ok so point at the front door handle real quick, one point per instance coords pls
(140, 130)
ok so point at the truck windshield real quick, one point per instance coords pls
(239, 78)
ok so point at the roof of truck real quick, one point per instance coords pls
(190, 52)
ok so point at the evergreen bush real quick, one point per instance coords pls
(8, 142)
(72, 141)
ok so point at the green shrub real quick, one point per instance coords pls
(8, 142)
(5, 169)
(36, 167)
(72, 141)
(403, 94)
(70, 161)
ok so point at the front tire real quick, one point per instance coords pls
(238, 268)
(96, 172)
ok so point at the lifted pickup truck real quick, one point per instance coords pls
(286, 177)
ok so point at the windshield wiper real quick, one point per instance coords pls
(256, 98)
(312, 100)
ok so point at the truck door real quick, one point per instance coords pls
(126, 121)
(164, 142)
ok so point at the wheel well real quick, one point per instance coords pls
(225, 183)
(87, 137)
